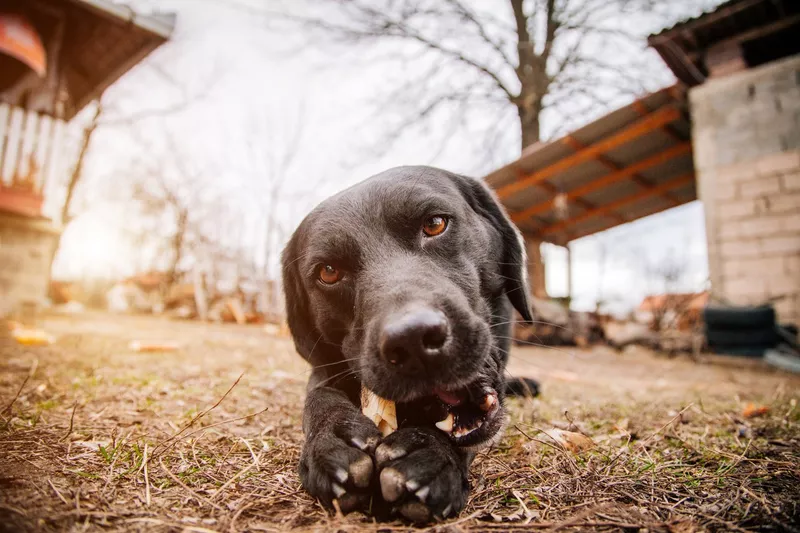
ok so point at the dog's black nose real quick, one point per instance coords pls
(409, 338)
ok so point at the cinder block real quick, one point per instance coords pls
(738, 172)
(753, 267)
(786, 308)
(782, 285)
(791, 264)
(779, 163)
(760, 186)
(729, 230)
(790, 223)
(761, 226)
(726, 190)
(736, 209)
(734, 250)
(746, 287)
(787, 203)
(791, 181)
(788, 244)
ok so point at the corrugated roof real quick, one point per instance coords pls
(766, 30)
(631, 163)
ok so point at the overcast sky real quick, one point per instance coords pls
(248, 79)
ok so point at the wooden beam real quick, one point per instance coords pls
(607, 208)
(667, 128)
(552, 189)
(610, 225)
(609, 164)
(756, 33)
(653, 121)
(623, 173)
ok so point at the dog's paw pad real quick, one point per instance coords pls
(385, 453)
(415, 511)
(392, 484)
(361, 472)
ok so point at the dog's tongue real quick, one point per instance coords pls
(450, 398)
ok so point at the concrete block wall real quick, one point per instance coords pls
(25, 248)
(746, 140)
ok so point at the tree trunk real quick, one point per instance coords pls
(529, 125)
(532, 74)
(74, 179)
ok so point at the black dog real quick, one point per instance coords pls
(403, 283)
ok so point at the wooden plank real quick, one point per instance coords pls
(609, 179)
(750, 35)
(607, 208)
(552, 189)
(575, 236)
(640, 127)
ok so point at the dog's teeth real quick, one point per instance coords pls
(446, 425)
(488, 402)
(463, 432)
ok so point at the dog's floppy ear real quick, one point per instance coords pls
(298, 311)
(514, 261)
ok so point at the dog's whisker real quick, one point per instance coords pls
(540, 345)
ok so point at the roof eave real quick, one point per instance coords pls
(161, 25)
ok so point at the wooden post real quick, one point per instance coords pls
(536, 267)
(569, 272)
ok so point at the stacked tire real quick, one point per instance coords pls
(744, 331)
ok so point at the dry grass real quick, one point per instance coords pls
(96, 437)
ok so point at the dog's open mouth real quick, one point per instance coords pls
(465, 413)
(469, 416)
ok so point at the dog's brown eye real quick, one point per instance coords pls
(329, 275)
(434, 226)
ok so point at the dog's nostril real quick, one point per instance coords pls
(412, 336)
(435, 336)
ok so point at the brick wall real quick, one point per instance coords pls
(25, 246)
(746, 137)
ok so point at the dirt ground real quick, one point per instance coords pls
(95, 436)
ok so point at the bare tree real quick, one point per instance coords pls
(104, 115)
(509, 59)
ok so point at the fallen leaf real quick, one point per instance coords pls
(752, 411)
(32, 337)
(139, 346)
(574, 442)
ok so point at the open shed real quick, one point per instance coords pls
(631, 163)
(727, 133)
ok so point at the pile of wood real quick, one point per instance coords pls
(667, 323)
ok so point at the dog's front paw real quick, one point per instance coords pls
(422, 474)
(337, 463)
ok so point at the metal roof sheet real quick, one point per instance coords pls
(766, 29)
(633, 162)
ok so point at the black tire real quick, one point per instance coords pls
(742, 337)
(737, 317)
(741, 351)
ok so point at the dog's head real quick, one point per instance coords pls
(406, 279)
